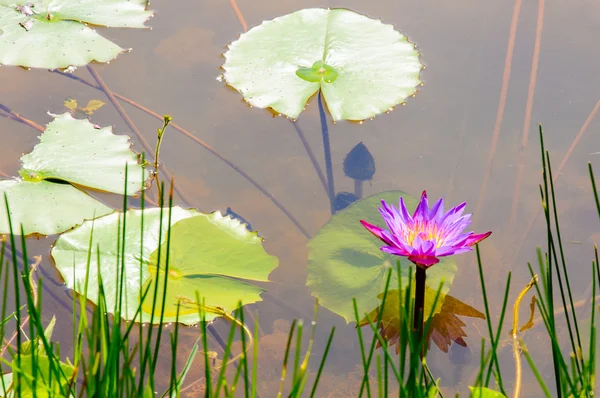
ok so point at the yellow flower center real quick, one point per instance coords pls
(427, 231)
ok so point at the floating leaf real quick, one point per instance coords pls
(212, 256)
(320, 71)
(362, 66)
(70, 152)
(55, 34)
(73, 150)
(359, 164)
(46, 208)
(70, 254)
(92, 106)
(71, 104)
(345, 261)
(88, 110)
(208, 254)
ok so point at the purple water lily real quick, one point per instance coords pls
(428, 234)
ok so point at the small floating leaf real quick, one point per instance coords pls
(55, 34)
(71, 104)
(362, 66)
(319, 71)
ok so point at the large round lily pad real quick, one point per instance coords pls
(213, 256)
(345, 261)
(362, 66)
(55, 34)
(70, 253)
(208, 254)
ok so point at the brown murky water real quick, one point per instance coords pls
(440, 142)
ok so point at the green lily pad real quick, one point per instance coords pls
(362, 66)
(78, 152)
(319, 71)
(46, 208)
(70, 254)
(75, 152)
(55, 34)
(345, 261)
(213, 256)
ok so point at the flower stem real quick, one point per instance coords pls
(419, 301)
(327, 149)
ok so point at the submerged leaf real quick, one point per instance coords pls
(345, 261)
(55, 34)
(362, 66)
(445, 326)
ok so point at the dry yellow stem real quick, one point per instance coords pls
(514, 333)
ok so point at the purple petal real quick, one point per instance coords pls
(455, 228)
(396, 251)
(375, 230)
(437, 211)
(423, 261)
(422, 210)
(421, 246)
(477, 238)
(403, 211)
(453, 213)
(397, 241)
(391, 218)
(451, 250)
